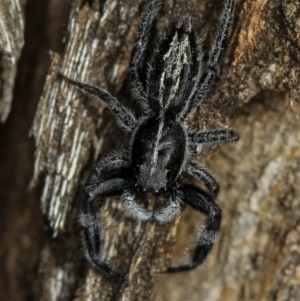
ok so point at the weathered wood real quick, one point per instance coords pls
(21, 222)
(258, 255)
(97, 52)
(11, 43)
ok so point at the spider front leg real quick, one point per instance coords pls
(202, 175)
(106, 179)
(202, 201)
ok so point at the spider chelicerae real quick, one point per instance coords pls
(161, 145)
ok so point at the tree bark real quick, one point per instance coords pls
(256, 91)
(11, 43)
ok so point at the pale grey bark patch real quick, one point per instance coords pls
(11, 44)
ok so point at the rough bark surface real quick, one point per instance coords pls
(11, 43)
(256, 90)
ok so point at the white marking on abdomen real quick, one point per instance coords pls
(176, 59)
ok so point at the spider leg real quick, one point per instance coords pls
(137, 211)
(167, 213)
(202, 201)
(142, 39)
(217, 46)
(106, 179)
(125, 117)
(211, 137)
(195, 170)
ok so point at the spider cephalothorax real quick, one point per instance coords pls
(161, 143)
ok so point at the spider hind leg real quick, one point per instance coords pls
(216, 49)
(138, 50)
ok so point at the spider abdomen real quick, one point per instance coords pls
(158, 152)
(175, 68)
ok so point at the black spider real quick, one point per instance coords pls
(161, 144)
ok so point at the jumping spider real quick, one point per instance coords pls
(161, 145)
